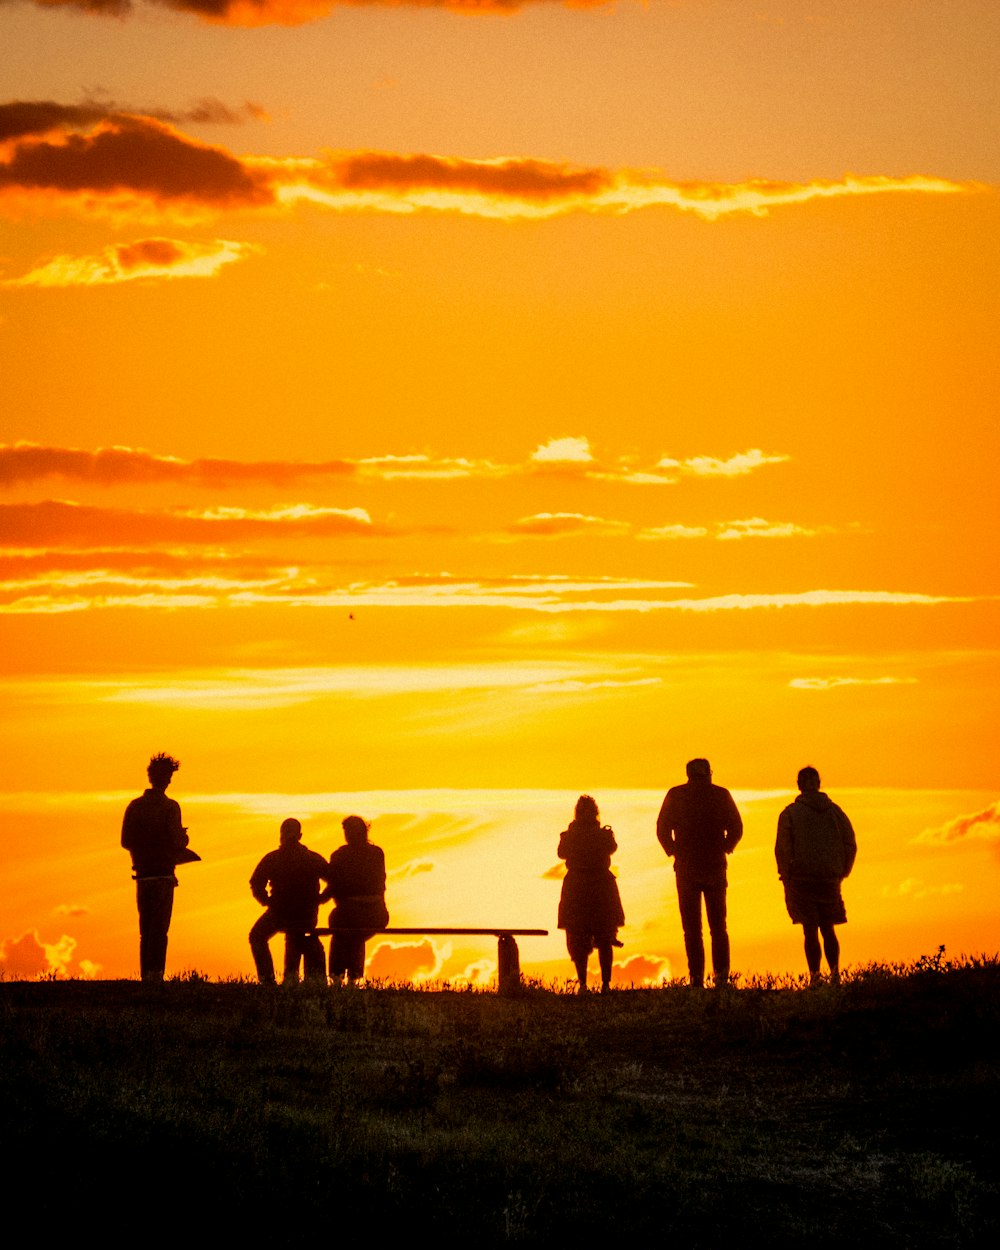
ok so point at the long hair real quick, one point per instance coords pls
(586, 810)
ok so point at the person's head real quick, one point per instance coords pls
(699, 770)
(291, 831)
(586, 808)
(161, 769)
(355, 829)
(808, 779)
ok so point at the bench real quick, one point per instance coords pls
(508, 956)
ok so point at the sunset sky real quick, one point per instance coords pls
(437, 411)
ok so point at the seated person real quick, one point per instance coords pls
(356, 877)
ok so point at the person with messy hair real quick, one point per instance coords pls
(152, 832)
(590, 907)
(357, 887)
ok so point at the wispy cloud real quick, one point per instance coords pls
(757, 527)
(91, 159)
(128, 262)
(915, 888)
(293, 588)
(737, 465)
(23, 462)
(54, 522)
(566, 525)
(834, 683)
(257, 688)
(296, 12)
(983, 825)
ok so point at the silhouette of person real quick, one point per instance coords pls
(698, 826)
(357, 887)
(815, 849)
(286, 882)
(590, 907)
(153, 834)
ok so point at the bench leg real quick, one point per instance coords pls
(508, 964)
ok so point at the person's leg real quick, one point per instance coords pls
(605, 957)
(689, 903)
(810, 933)
(313, 958)
(355, 957)
(715, 909)
(831, 947)
(292, 959)
(338, 957)
(260, 935)
(578, 945)
(155, 900)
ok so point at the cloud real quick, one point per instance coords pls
(297, 12)
(250, 688)
(555, 873)
(983, 825)
(70, 909)
(58, 522)
(563, 451)
(915, 888)
(407, 961)
(574, 685)
(92, 157)
(566, 524)
(143, 259)
(833, 683)
(757, 527)
(480, 973)
(670, 533)
(710, 466)
(125, 161)
(20, 118)
(641, 970)
(207, 584)
(27, 957)
(110, 466)
(413, 868)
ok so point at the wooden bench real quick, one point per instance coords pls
(508, 956)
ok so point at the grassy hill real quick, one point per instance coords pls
(206, 1109)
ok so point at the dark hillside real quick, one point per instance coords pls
(202, 1109)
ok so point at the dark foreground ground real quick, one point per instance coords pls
(284, 1117)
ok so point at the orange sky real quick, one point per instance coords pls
(438, 414)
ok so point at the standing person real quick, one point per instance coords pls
(815, 850)
(155, 837)
(698, 826)
(357, 887)
(590, 907)
(286, 882)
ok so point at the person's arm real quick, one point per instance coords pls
(128, 828)
(665, 827)
(178, 833)
(783, 845)
(259, 883)
(850, 842)
(734, 825)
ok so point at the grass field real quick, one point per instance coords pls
(202, 1110)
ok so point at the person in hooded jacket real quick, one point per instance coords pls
(815, 850)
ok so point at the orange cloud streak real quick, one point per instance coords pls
(298, 12)
(135, 161)
(143, 259)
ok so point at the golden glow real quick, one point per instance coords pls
(573, 395)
